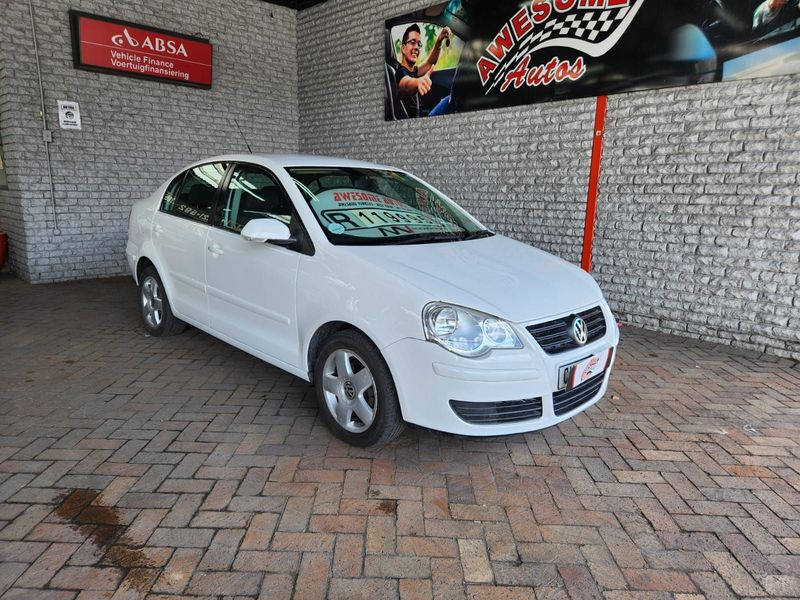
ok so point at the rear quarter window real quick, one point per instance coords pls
(168, 203)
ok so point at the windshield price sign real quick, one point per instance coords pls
(367, 214)
(112, 46)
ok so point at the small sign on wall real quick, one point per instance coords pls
(69, 115)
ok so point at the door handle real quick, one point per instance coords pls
(216, 249)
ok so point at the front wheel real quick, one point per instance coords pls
(355, 391)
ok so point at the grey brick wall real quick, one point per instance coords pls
(699, 212)
(699, 227)
(135, 133)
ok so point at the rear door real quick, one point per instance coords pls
(180, 228)
(252, 286)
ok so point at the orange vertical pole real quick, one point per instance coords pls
(594, 182)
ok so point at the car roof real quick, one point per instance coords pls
(293, 160)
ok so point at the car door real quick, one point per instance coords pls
(180, 228)
(252, 286)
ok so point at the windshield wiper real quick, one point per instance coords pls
(483, 233)
(415, 238)
(427, 238)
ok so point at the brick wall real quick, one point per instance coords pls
(699, 226)
(135, 133)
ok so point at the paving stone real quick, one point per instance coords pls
(475, 561)
(183, 537)
(259, 533)
(411, 567)
(415, 589)
(87, 578)
(270, 561)
(9, 572)
(579, 582)
(659, 580)
(40, 572)
(349, 589)
(221, 583)
(312, 579)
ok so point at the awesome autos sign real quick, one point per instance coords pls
(467, 55)
(591, 27)
(113, 46)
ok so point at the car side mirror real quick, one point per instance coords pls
(266, 230)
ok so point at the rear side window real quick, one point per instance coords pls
(195, 198)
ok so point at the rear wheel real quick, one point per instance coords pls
(355, 391)
(154, 304)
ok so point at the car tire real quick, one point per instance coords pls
(355, 391)
(154, 306)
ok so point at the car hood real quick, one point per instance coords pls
(496, 275)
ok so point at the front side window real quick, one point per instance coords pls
(195, 198)
(253, 194)
(375, 206)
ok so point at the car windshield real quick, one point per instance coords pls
(375, 206)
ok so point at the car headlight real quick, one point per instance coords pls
(467, 332)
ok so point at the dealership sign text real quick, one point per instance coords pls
(591, 27)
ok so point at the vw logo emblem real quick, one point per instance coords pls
(578, 331)
(349, 390)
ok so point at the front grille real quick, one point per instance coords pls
(488, 413)
(554, 336)
(567, 400)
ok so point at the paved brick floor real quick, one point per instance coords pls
(135, 467)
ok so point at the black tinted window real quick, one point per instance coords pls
(254, 194)
(195, 199)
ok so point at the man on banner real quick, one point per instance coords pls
(414, 80)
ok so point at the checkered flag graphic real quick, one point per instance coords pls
(589, 27)
(593, 32)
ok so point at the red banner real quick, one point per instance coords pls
(109, 45)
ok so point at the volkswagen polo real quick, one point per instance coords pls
(373, 285)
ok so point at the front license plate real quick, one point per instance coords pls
(573, 375)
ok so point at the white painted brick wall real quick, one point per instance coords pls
(135, 133)
(700, 202)
(699, 209)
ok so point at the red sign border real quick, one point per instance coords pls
(74, 16)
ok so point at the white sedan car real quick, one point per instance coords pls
(396, 303)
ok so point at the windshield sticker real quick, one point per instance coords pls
(336, 228)
(347, 197)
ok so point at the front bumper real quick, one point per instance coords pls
(428, 377)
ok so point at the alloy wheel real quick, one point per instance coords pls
(349, 390)
(152, 303)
